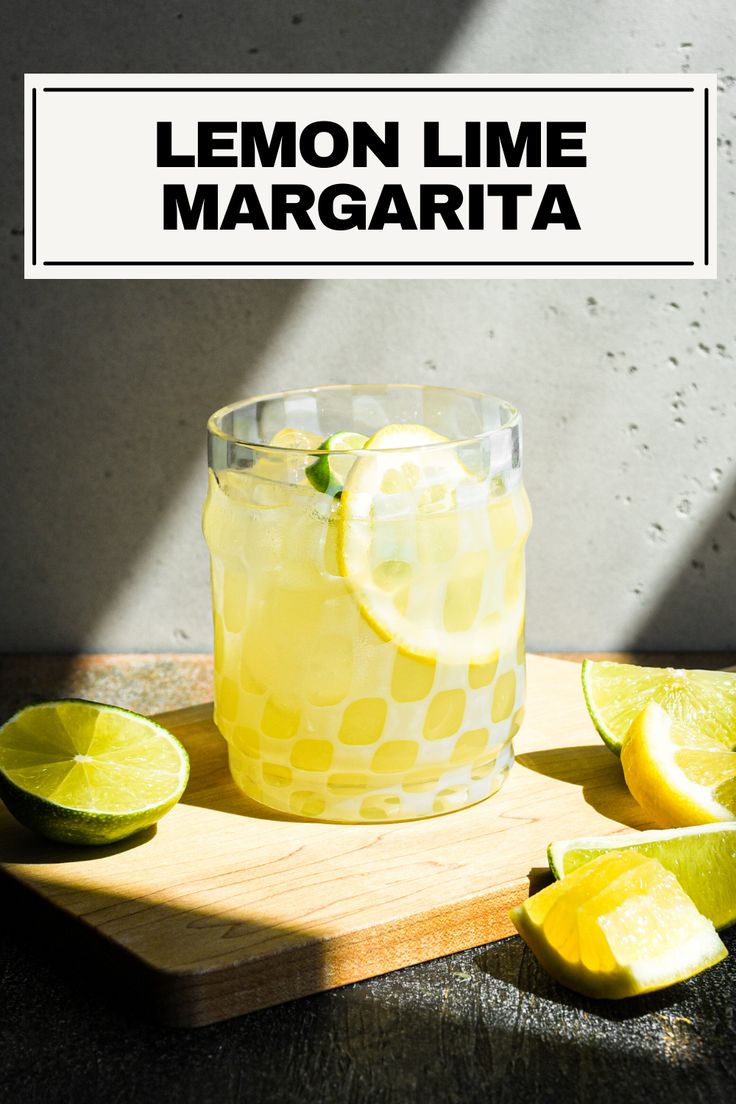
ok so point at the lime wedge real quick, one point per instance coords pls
(702, 858)
(619, 926)
(615, 693)
(328, 473)
(81, 772)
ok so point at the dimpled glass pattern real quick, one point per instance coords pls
(370, 673)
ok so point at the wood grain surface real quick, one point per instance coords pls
(225, 908)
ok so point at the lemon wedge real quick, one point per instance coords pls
(618, 926)
(678, 772)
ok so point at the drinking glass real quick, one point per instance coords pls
(368, 597)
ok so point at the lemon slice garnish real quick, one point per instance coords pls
(415, 544)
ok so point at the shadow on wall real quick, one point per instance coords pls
(113, 380)
(118, 381)
(700, 593)
(234, 36)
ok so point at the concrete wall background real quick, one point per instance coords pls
(628, 388)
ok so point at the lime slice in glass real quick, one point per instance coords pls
(328, 473)
(81, 772)
(615, 693)
(702, 858)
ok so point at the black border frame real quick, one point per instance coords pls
(368, 264)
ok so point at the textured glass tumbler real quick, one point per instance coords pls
(368, 603)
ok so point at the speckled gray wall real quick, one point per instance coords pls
(628, 388)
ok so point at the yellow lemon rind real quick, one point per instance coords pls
(661, 787)
(677, 964)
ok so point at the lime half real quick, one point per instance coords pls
(616, 693)
(81, 772)
(702, 858)
(328, 473)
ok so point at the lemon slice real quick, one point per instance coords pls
(415, 545)
(287, 465)
(619, 926)
(702, 858)
(678, 772)
(297, 439)
(86, 773)
(616, 692)
(328, 473)
(272, 480)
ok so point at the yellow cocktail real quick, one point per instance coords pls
(369, 601)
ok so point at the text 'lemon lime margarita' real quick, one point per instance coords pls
(367, 555)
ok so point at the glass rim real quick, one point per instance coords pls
(513, 417)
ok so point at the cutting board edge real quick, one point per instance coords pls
(195, 997)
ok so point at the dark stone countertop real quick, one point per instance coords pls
(484, 1025)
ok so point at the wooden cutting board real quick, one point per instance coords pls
(224, 908)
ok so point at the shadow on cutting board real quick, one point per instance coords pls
(597, 771)
(152, 971)
(21, 845)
